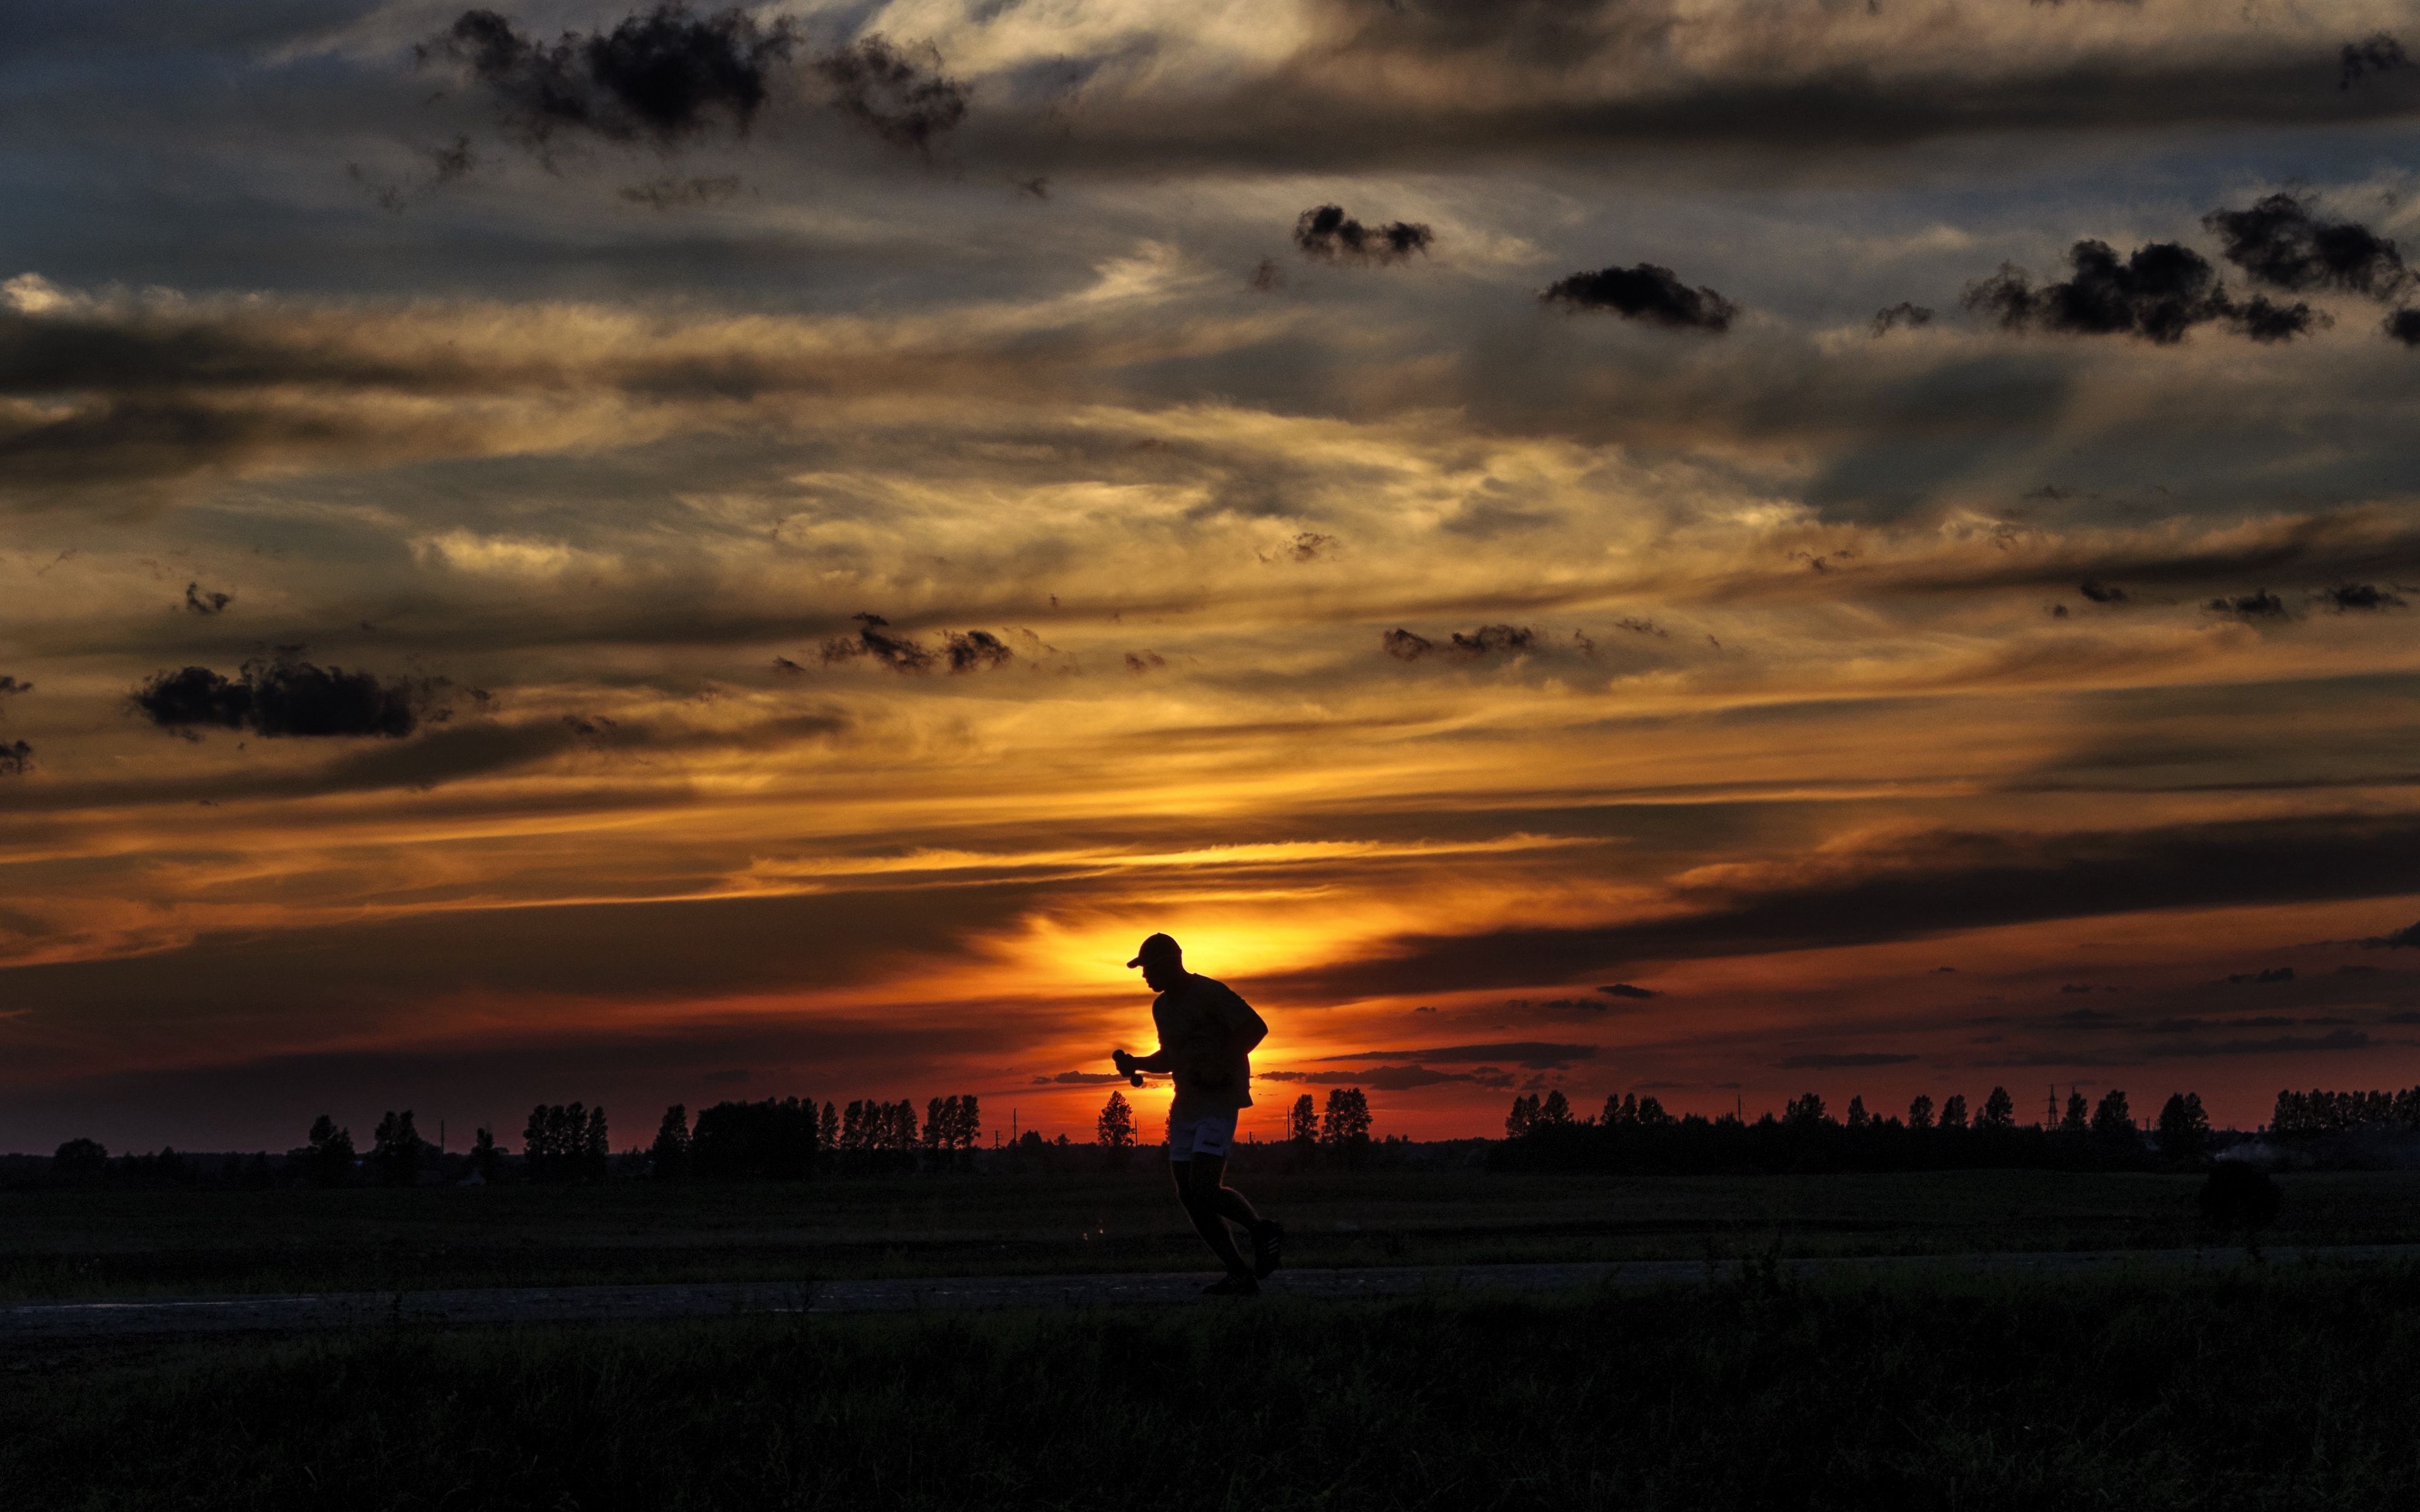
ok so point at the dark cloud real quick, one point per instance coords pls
(198, 602)
(975, 650)
(1902, 315)
(445, 163)
(2158, 292)
(1490, 639)
(1268, 277)
(2101, 592)
(2404, 326)
(1624, 989)
(1144, 661)
(1390, 1078)
(11, 686)
(1839, 1062)
(1328, 234)
(1079, 1078)
(1937, 884)
(2263, 978)
(788, 668)
(900, 94)
(2280, 243)
(287, 697)
(2402, 939)
(2379, 53)
(667, 74)
(874, 640)
(1647, 292)
(1405, 646)
(2074, 987)
(2354, 598)
(667, 194)
(2283, 1044)
(15, 756)
(2263, 605)
(1310, 546)
(1530, 1054)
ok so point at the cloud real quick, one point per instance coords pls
(1139, 662)
(2280, 243)
(2402, 939)
(900, 94)
(975, 650)
(1624, 989)
(1391, 1078)
(666, 193)
(1919, 886)
(1328, 234)
(1902, 315)
(447, 163)
(2356, 597)
(2379, 53)
(198, 602)
(286, 698)
(1079, 1078)
(1848, 1061)
(2158, 292)
(2101, 592)
(874, 640)
(2404, 326)
(1648, 292)
(1404, 645)
(11, 687)
(2283, 1044)
(1530, 1054)
(15, 756)
(2263, 605)
(664, 75)
(2263, 978)
(1488, 640)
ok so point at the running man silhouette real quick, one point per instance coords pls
(1206, 1036)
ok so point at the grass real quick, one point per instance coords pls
(2290, 1389)
(129, 1244)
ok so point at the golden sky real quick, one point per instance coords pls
(575, 554)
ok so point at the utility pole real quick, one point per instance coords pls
(2050, 1119)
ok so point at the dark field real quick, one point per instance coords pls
(136, 1243)
(2291, 1387)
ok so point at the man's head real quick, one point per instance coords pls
(1162, 961)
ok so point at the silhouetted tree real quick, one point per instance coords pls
(1555, 1109)
(1115, 1128)
(1999, 1111)
(395, 1150)
(2114, 1120)
(485, 1159)
(828, 1128)
(1623, 1111)
(327, 1158)
(1857, 1119)
(762, 1140)
(1524, 1116)
(1953, 1111)
(1652, 1115)
(79, 1163)
(1302, 1126)
(2078, 1116)
(1804, 1110)
(566, 1142)
(2185, 1127)
(1920, 1112)
(668, 1157)
(1345, 1126)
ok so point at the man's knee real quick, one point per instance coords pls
(1182, 1172)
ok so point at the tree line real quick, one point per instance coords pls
(1636, 1135)
(2304, 1115)
(1342, 1131)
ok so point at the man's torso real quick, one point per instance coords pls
(1212, 1070)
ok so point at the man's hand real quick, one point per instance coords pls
(1122, 1062)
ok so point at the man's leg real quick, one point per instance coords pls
(1211, 1191)
(1212, 1202)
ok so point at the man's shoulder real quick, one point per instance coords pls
(1213, 988)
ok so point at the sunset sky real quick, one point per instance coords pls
(1696, 580)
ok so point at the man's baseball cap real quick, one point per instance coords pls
(1157, 948)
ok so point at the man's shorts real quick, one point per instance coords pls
(1212, 1133)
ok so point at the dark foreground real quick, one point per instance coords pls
(2290, 1386)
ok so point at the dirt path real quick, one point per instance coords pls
(26, 1321)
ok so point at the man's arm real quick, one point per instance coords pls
(1162, 1060)
(1243, 1023)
